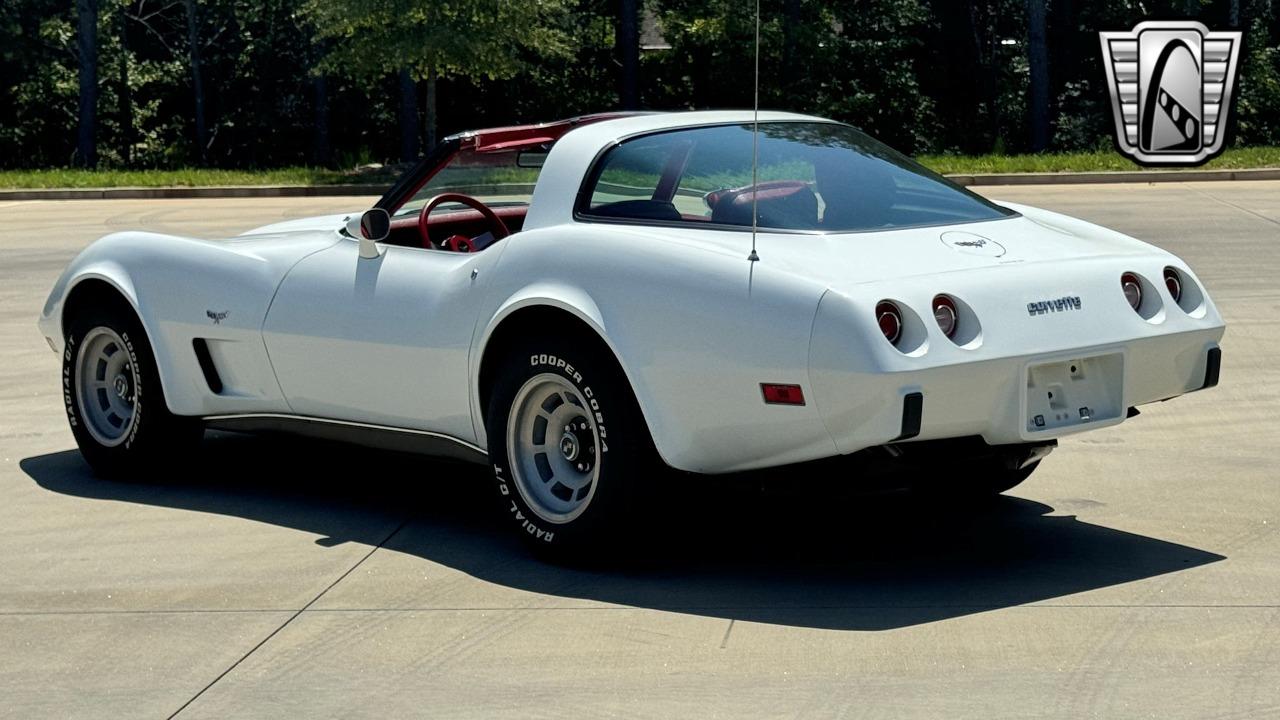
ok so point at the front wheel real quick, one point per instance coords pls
(569, 448)
(114, 402)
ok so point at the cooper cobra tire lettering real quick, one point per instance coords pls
(137, 391)
(560, 364)
(605, 520)
(539, 362)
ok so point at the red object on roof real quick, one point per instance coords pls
(519, 137)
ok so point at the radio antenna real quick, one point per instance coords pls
(755, 144)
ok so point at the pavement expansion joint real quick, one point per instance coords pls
(1230, 204)
(725, 642)
(290, 619)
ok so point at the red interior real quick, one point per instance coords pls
(516, 137)
(470, 223)
(404, 230)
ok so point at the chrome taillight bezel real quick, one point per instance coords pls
(889, 320)
(1173, 283)
(947, 315)
(1131, 286)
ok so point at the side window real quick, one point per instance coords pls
(704, 175)
(630, 180)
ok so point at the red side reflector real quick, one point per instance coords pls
(775, 394)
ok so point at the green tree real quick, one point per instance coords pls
(628, 48)
(924, 75)
(87, 142)
(1258, 106)
(584, 80)
(1038, 62)
(472, 39)
(853, 61)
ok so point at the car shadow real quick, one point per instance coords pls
(818, 559)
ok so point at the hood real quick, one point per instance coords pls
(284, 243)
(319, 222)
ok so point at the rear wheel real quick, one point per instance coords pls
(570, 450)
(996, 480)
(114, 402)
(985, 474)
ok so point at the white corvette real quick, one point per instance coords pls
(579, 305)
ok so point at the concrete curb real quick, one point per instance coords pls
(164, 193)
(1117, 176)
(251, 191)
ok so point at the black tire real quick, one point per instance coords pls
(155, 438)
(626, 460)
(976, 480)
(1001, 479)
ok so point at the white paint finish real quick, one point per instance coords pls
(381, 340)
(175, 283)
(398, 340)
(696, 329)
(320, 222)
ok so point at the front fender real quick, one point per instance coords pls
(182, 289)
(92, 264)
(107, 271)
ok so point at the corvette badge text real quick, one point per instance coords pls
(1171, 85)
(1062, 304)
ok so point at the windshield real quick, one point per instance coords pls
(497, 178)
(811, 176)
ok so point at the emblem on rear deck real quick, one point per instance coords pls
(972, 244)
(217, 317)
(1057, 305)
(1171, 84)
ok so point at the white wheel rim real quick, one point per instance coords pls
(553, 447)
(106, 386)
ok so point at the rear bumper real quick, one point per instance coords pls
(990, 398)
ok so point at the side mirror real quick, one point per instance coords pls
(370, 228)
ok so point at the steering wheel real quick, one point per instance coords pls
(496, 227)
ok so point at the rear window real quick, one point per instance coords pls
(811, 176)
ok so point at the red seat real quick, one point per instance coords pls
(788, 204)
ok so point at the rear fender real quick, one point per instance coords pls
(567, 298)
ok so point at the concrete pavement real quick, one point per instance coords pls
(1137, 574)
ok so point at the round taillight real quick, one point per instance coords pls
(1173, 281)
(944, 311)
(1132, 290)
(890, 321)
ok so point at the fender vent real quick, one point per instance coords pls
(206, 365)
